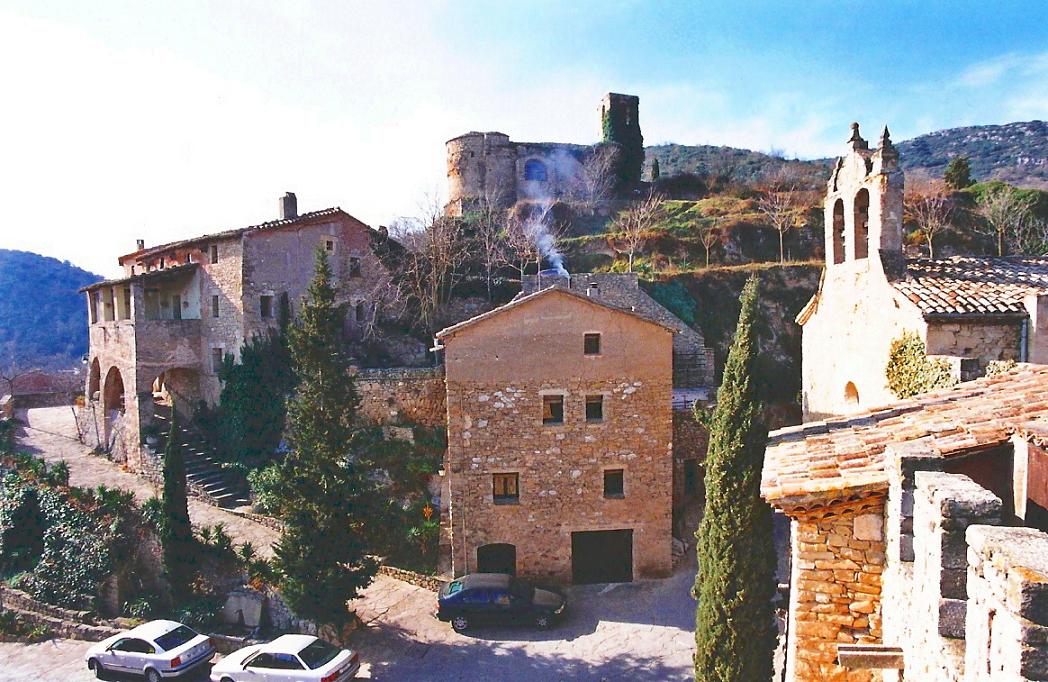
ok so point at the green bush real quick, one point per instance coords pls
(265, 484)
(911, 372)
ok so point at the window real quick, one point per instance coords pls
(505, 489)
(535, 170)
(594, 408)
(613, 483)
(214, 253)
(175, 638)
(92, 304)
(214, 305)
(354, 267)
(127, 303)
(136, 646)
(265, 307)
(591, 344)
(360, 313)
(862, 223)
(216, 359)
(329, 245)
(161, 263)
(552, 409)
(318, 653)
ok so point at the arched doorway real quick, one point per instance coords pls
(862, 223)
(112, 400)
(535, 170)
(94, 380)
(851, 395)
(497, 558)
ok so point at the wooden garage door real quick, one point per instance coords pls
(602, 556)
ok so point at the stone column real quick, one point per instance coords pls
(1007, 620)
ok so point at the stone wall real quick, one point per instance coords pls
(835, 595)
(403, 396)
(984, 341)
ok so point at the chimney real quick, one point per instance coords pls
(140, 244)
(288, 206)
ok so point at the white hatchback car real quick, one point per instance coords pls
(288, 658)
(158, 649)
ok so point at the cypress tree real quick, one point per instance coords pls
(656, 172)
(734, 626)
(321, 552)
(176, 532)
(958, 174)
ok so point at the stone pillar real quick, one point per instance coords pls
(835, 591)
(1037, 328)
(944, 506)
(1007, 620)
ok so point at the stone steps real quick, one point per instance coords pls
(204, 473)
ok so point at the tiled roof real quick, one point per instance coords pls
(171, 272)
(305, 217)
(818, 462)
(973, 286)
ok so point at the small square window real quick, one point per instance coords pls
(216, 359)
(505, 488)
(552, 409)
(214, 305)
(354, 267)
(613, 483)
(265, 307)
(214, 253)
(329, 245)
(594, 408)
(591, 344)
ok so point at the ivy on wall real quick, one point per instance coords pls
(910, 371)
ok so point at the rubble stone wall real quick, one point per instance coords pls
(984, 341)
(403, 396)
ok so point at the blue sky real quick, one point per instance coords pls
(163, 120)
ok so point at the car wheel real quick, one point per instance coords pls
(542, 622)
(153, 676)
(459, 623)
(96, 667)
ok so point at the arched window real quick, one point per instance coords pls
(113, 396)
(862, 223)
(838, 231)
(535, 170)
(497, 558)
(94, 380)
(851, 394)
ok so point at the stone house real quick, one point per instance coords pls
(559, 461)
(918, 540)
(490, 167)
(164, 327)
(970, 311)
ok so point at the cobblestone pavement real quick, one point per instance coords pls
(637, 631)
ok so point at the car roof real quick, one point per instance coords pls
(475, 580)
(153, 629)
(289, 644)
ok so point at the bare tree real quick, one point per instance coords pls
(778, 203)
(709, 234)
(1002, 210)
(928, 205)
(632, 226)
(1030, 236)
(490, 244)
(595, 181)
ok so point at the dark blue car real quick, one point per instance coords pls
(481, 598)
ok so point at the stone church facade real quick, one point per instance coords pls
(970, 311)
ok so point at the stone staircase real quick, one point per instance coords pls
(204, 473)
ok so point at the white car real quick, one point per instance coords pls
(158, 649)
(288, 658)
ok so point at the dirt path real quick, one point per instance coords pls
(50, 433)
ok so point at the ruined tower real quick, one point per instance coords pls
(620, 124)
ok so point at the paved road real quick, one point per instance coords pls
(638, 631)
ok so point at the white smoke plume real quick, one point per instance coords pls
(537, 227)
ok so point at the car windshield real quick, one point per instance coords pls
(521, 589)
(452, 587)
(318, 653)
(175, 638)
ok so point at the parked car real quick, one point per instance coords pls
(497, 598)
(288, 658)
(158, 649)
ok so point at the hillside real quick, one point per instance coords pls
(1014, 152)
(43, 320)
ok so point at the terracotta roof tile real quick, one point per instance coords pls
(824, 460)
(965, 285)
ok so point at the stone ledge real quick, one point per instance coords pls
(426, 582)
(1020, 557)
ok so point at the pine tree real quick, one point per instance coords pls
(176, 532)
(958, 174)
(734, 626)
(321, 553)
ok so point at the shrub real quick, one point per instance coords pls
(911, 372)
(265, 484)
(58, 474)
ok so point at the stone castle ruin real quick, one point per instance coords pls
(489, 167)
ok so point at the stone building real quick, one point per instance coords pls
(918, 543)
(490, 167)
(559, 461)
(164, 327)
(970, 311)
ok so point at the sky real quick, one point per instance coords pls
(158, 120)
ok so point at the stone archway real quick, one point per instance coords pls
(861, 229)
(113, 400)
(497, 558)
(94, 381)
(838, 232)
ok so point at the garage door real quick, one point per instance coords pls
(602, 556)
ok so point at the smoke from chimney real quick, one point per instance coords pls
(537, 227)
